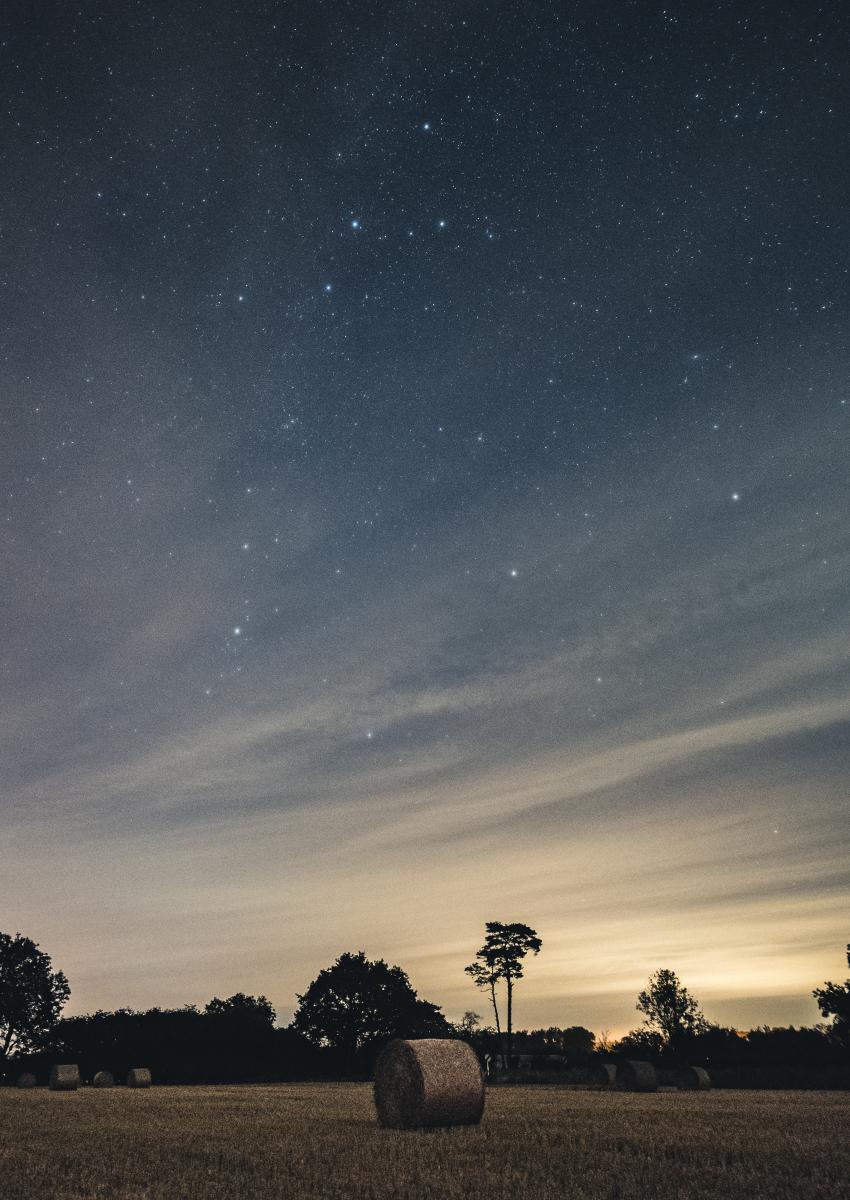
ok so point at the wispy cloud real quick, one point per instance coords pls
(589, 744)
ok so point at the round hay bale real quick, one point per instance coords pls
(64, 1077)
(139, 1077)
(427, 1083)
(694, 1079)
(602, 1075)
(103, 1079)
(635, 1076)
(27, 1080)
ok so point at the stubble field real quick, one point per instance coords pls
(312, 1141)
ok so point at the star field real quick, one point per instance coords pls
(425, 438)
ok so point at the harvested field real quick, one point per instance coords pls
(314, 1141)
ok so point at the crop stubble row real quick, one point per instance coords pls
(322, 1141)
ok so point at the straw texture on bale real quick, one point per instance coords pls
(602, 1074)
(694, 1079)
(427, 1083)
(65, 1077)
(637, 1077)
(139, 1077)
(103, 1079)
(27, 1080)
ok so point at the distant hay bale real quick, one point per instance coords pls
(27, 1080)
(602, 1074)
(64, 1077)
(694, 1079)
(635, 1076)
(428, 1082)
(103, 1079)
(139, 1077)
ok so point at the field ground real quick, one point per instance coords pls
(313, 1141)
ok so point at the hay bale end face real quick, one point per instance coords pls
(428, 1083)
(103, 1079)
(139, 1077)
(27, 1080)
(694, 1079)
(64, 1077)
(635, 1076)
(602, 1075)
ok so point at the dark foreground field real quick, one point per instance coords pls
(309, 1141)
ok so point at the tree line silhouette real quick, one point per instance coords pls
(354, 1006)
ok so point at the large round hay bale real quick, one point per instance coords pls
(428, 1082)
(633, 1076)
(694, 1079)
(27, 1080)
(139, 1077)
(103, 1079)
(602, 1074)
(64, 1077)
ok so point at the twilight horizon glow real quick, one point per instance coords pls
(425, 444)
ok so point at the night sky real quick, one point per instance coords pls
(424, 441)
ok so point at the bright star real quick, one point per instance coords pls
(736, 496)
(514, 572)
(237, 630)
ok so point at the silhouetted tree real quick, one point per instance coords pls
(241, 1007)
(577, 1042)
(834, 1001)
(355, 1005)
(31, 995)
(671, 1010)
(468, 1025)
(501, 957)
(231, 1041)
(640, 1043)
(484, 974)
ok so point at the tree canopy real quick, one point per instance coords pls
(501, 958)
(32, 994)
(834, 1001)
(257, 1009)
(670, 1009)
(356, 1004)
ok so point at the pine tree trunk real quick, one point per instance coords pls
(498, 1023)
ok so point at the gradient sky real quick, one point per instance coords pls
(426, 474)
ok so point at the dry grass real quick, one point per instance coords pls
(321, 1141)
